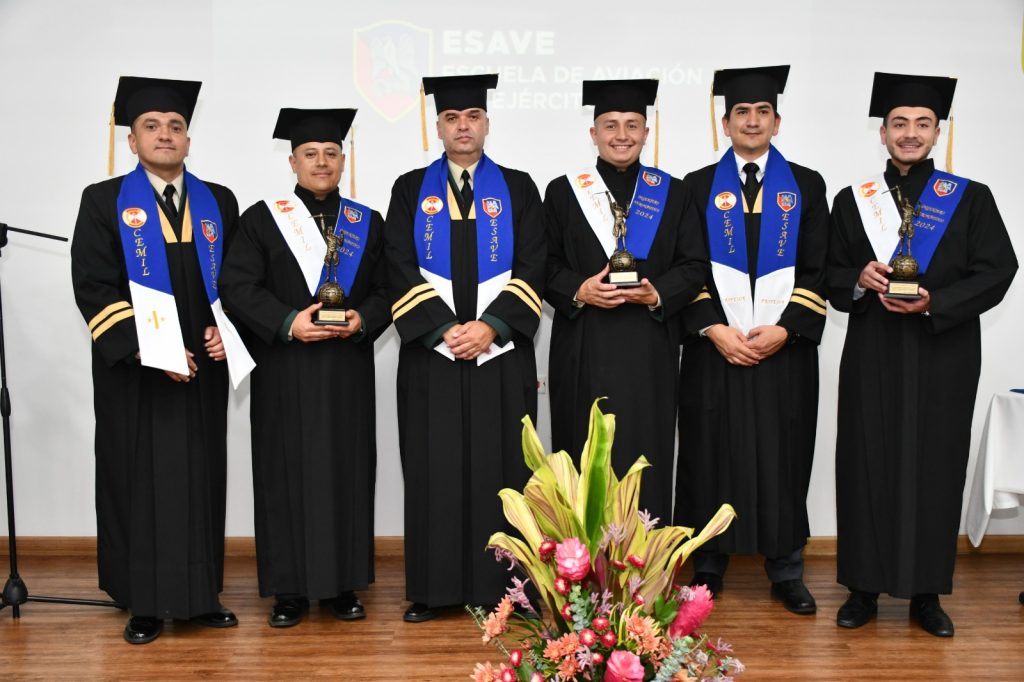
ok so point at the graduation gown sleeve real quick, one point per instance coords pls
(100, 283)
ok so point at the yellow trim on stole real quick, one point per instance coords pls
(453, 206)
(110, 309)
(165, 227)
(186, 224)
(111, 321)
(757, 201)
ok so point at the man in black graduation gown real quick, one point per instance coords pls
(610, 341)
(909, 373)
(749, 380)
(465, 243)
(312, 412)
(160, 434)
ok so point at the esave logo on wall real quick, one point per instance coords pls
(389, 59)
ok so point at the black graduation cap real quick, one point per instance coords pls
(632, 95)
(313, 125)
(891, 90)
(460, 92)
(757, 84)
(135, 96)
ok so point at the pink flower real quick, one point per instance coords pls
(562, 586)
(547, 547)
(694, 608)
(588, 637)
(624, 666)
(573, 559)
(600, 623)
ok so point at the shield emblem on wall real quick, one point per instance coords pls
(389, 58)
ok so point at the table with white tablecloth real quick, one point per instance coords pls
(999, 471)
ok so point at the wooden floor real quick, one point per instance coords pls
(53, 641)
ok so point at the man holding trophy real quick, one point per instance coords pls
(912, 357)
(307, 282)
(620, 268)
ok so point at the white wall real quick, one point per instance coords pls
(61, 61)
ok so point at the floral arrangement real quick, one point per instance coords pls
(605, 574)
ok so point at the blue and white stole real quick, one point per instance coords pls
(302, 234)
(881, 218)
(495, 240)
(646, 208)
(777, 243)
(143, 231)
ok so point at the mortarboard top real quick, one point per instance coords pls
(459, 93)
(136, 96)
(631, 95)
(891, 90)
(752, 85)
(313, 125)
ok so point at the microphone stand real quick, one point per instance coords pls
(15, 592)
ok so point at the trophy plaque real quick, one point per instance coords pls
(903, 282)
(622, 265)
(330, 293)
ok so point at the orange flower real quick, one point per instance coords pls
(484, 672)
(642, 631)
(568, 668)
(497, 622)
(565, 645)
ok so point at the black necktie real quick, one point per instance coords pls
(467, 192)
(750, 185)
(172, 212)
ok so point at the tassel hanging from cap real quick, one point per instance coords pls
(423, 119)
(352, 162)
(657, 132)
(714, 124)
(949, 147)
(110, 145)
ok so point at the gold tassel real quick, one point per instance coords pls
(110, 145)
(714, 124)
(949, 147)
(423, 119)
(352, 163)
(657, 131)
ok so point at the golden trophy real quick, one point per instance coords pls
(903, 282)
(330, 293)
(622, 265)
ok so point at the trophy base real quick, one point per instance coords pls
(908, 291)
(624, 280)
(330, 318)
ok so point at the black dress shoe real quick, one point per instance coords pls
(926, 610)
(222, 618)
(287, 612)
(860, 607)
(795, 596)
(142, 629)
(712, 580)
(419, 612)
(347, 606)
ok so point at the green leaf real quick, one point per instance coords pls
(665, 611)
(533, 451)
(595, 469)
